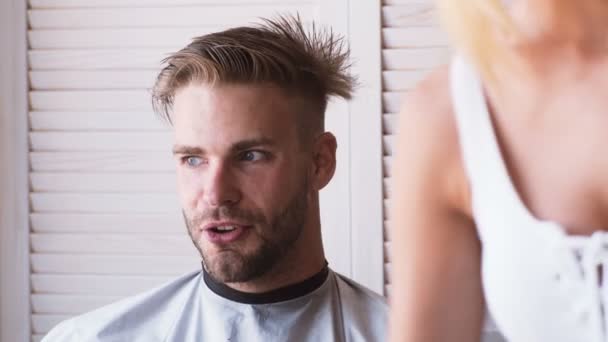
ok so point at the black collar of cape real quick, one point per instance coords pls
(274, 296)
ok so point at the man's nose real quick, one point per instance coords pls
(220, 188)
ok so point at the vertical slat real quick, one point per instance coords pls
(413, 44)
(14, 229)
(366, 138)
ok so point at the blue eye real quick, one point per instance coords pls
(253, 156)
(192, 161)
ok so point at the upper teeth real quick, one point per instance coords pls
(226, 228)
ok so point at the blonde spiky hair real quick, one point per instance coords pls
(312, 64)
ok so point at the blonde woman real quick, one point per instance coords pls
(503, 178)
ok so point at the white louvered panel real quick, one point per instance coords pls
(387, 232)
(103, 182)
(147, 3)
(414, 58)
(391, 101)
(414, 37)
(401, 2)
(389, 123)
(104, 203)
(127, 223)
(101, 141)
(111, 161)
(70, 304)
(401, 80)
(387, 245)
(105, 218)
(387, 165)
(97, 285)
(127, 38)
(98, 100)
(412, 45)
(388, 142)
(414, 13)
(86, 79)
(113, 244)
(182, 16)
(96, 121)
(121, 264)
(106, 59)
(387, 210)
(43, 323)
(387, 268)
(387, 187)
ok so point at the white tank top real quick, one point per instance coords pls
(540, 284)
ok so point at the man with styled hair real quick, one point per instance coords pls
(247, 110)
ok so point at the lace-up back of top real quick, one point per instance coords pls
(540, 284)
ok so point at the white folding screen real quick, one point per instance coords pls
(412, 45)
(105, 221)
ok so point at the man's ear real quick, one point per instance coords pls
(324, 160)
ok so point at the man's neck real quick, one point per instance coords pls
(282, 294)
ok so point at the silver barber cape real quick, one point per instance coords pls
(325, 307)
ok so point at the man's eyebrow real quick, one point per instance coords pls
(183, 149)
(249, 143)
(239, 146)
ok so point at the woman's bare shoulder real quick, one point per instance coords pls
(430, 100)
(427, 122)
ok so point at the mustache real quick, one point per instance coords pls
(222, 213)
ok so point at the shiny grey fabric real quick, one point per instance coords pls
(186, 310)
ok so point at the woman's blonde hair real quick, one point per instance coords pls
(481, 28)
(472, 25)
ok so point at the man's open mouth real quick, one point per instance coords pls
(223, 229)
(227, 233)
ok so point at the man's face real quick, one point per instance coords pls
(242, 176)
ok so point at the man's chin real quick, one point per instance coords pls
(226, 266)
(232, 267)
(229, 274)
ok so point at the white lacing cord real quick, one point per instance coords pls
(593, 256)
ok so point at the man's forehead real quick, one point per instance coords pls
(233, 102)
(209, 133)
(212, 94)
(219, 119)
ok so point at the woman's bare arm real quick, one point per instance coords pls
(436, 292)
